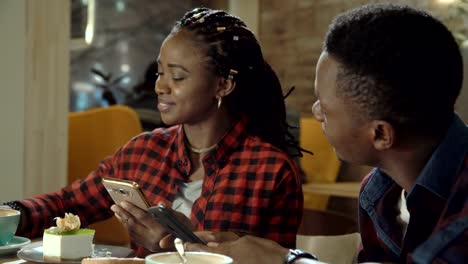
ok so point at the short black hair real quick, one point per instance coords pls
(398, 64)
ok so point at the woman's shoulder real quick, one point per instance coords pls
(261, 148)
(147, 144)
(268, 159)
(159, 136)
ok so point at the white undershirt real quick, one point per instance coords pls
(404, 216)
(188, 193)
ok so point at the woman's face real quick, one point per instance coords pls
(186, 86)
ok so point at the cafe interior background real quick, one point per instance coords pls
(60, 56)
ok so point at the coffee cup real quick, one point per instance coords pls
(9, 220)
(192, 258)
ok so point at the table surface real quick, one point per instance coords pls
(12, 256)
(340, 189)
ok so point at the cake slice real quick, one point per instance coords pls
(67, 240)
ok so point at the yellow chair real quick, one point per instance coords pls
(326, 223)
(322, 168)
(92, 136)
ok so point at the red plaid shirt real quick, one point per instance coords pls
(249, 186)
(438, 204)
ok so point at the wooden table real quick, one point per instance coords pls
(10, 257)
(340, 189)
(119, 251)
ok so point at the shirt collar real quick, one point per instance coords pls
(378, 184)
(228, 143)
(439, 173)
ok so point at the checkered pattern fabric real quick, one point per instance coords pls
(249, 186)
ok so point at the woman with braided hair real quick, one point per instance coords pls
(223, 165)
(233, 52)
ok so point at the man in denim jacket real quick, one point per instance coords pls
(386, 85)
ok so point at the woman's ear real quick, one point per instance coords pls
(383, 135)
(225, 87)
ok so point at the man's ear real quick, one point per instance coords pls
(225, 87)
(383, 135)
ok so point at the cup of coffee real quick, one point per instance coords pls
(9, 220)
(192, 258)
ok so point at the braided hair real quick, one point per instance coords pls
(234, 52)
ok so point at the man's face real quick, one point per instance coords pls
(346, 130)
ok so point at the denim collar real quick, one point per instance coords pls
(439, 173)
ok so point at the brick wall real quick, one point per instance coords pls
(291, 33)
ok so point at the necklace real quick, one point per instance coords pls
(202, 150)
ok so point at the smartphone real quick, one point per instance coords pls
(122, 190)
(174, 226)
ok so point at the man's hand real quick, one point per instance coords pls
(209, 237)
(246, 250)
(217, 237)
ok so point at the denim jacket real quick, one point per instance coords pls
(438, 205)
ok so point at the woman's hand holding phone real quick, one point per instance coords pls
(131, 208)
(142, 228)
(124, 190)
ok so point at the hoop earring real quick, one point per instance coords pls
(220, 100)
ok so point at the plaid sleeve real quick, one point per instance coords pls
(86, 198)
(286, 208)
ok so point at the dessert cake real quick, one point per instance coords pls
(67, 240)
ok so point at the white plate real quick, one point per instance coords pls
(14, 245)
(33, 253)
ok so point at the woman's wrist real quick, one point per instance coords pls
(13, 205)
(18, 207)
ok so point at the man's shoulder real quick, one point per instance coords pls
(460, 188)
(266, 157)
(448, 239)
(457, 203)
(461, 183)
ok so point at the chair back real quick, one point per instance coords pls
(93, 135)
(149, 119)
(323, 166)
(326, 223)
(341, 249)
(331, 236)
